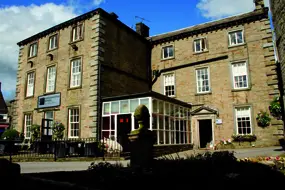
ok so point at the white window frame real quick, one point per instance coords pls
(75, 35)
(73, 122)
(167, 47)
(33, 49)
(50, 79)
(250, 119)
(75, 78)
(27, 117)
(235, 75)
(165, 85)
(30, 84)
(53, 40)
(197, 81)
(200, 40)
(236, 37)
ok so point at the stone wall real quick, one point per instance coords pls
(257, 51)
(278, 17)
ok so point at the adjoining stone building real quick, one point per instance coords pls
(278, 17)
(64, 70)
(210, 80)
(227, 70)
(4, 120)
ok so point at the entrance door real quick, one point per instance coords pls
(46, 129)
(124, 127)
(205, 132)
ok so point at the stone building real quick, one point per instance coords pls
(278, 17)
(4, 121)
(227, 70)
(65, 70)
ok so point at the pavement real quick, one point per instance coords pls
(36, 167)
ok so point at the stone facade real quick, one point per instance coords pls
(98, 47)
(257, 52)
(278, 17)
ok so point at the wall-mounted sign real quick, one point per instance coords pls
(47, 101)
(219, 121)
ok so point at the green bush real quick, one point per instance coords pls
(275, 108)
(10, 134)
(263, 119)
(36, 132)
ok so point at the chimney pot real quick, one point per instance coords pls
(142, 29)
(114, 15)
(259, 4)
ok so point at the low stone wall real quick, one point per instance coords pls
(160, 150)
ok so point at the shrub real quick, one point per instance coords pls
(58, 130)
(244, 138)
(35, 132)
(275, 108)
(10, 134)
(263, 119)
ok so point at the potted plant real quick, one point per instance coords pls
(275, 108)
(263, 119)
(244, 138)
(57, 135)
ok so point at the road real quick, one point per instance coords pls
(35, 167)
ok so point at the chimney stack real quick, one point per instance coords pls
(259, 4)
(142, 29)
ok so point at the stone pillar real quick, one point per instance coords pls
(141, 140)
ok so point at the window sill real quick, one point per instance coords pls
(47, 93)
(203, 93)
(197, 53)
(242, 89)
(74, 42)
(50, 50)
(29, 97)
(32, 57)
(74, 88)
(233, 46)
(165, 59)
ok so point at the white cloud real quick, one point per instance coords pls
(18, 23)
(215, 9)
(98, 2)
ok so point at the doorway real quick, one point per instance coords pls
(205, 132)
(124, 127)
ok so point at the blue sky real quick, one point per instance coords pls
(20, 19)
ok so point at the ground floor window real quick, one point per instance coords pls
(171, 123)
(73, 122)
(27, 125)
(243, 120)
(108, 127)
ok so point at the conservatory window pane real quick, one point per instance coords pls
(134, 104)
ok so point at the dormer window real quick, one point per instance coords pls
(77, 33)
(33, 49)
(200, 45)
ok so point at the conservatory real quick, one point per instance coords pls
(170, 118)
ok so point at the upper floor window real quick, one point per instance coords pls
(200, 45)
(50, 83)
(243, 120)
(75, 73)
(169, 84)
(168, 52)
(203, 80)
(33, 49)
(240, 75)
(77, 32)
(236, 38)
(30, 84)
(52, 42)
